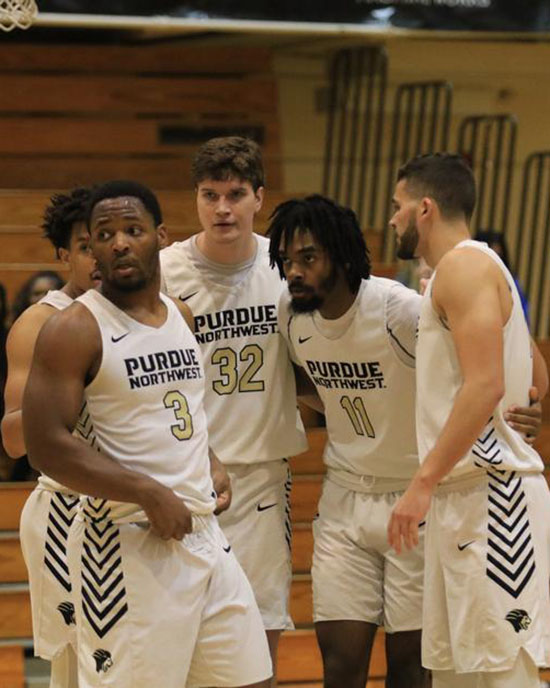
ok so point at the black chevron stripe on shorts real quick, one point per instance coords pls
(60, 517)
(510, 552)
(102, 579)
(288, 522)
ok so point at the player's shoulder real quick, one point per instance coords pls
(467, 261)
(69, 332)
(27, 326)
(263, 249)
(184, 310)
(31, 320)
(175, 252)
(385, 287)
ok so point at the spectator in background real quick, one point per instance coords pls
(497, 242)
(37, 286)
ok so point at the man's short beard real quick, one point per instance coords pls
(306, 305)
(315, 301)
(408, 243)
(127, 286)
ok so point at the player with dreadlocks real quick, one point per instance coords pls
(353, 334)
(50, 508)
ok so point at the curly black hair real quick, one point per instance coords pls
(62, 213)
(335, 227)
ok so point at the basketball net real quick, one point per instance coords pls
(17, 13)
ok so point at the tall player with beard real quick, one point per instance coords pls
(354, 335)
(223, 274)
(51, 507)
(487, 607)
(160, 595)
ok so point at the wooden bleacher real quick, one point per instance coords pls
(81, 113)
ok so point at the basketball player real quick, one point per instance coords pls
(160, 595)
(223, 274)
(50, 509)
(487, 606)
(354, 335)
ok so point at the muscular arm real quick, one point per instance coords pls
(19, 351)
(540, 372)
(467, 294)
(67, 353)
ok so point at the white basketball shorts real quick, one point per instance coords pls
(487, 574)
(257, 525)
(45, 522)
(356, 574)
(152, 612)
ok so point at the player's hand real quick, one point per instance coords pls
(407, 514)
(168, 516)
(526, 420)
(222, 483)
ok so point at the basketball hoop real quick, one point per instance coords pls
(17, 13)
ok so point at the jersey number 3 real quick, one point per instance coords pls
(183, 429)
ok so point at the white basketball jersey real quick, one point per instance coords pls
(250, 396)
(439, 379)
(59, 300)
(368, 392)
(145, 404)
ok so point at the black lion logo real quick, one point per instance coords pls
(67, 610)
(103, 660)
(519, 619)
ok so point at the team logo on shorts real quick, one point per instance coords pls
(519, 619)
(67, 610)
(103, 660)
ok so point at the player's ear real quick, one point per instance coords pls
(63, 255)
(426, 207)
(162, 234)
(259, 193)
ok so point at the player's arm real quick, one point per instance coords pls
(401, 321)
(466, 294)
(67, 354)
(186, 313)
(540, 372)
(306, 390)
(221, 482)
(19, 350)
(528, 420)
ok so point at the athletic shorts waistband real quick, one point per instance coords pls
(368, 484)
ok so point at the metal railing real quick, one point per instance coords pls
(354, 130)
(532, 240)
(488, 142)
